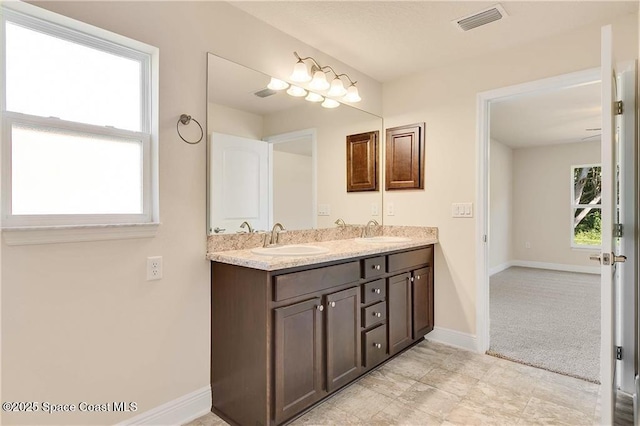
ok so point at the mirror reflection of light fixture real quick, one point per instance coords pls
(276, 84)
(330, 103)
(314, 97)
(296, 91)
(319, 80)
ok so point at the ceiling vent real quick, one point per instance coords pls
(478, 19)
(264, 93)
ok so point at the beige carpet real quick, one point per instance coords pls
(547, 319)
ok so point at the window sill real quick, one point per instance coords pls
(586, 248)
(74, 234)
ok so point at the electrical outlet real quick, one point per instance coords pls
(324, 210)
(391, 209)
(374, 209)
(154, 268)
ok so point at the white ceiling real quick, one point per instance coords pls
(390, 39)
(548, 118)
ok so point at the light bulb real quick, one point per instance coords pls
(300, 72)
(337, 88)
(352, 94)
(319, 81)
(330, 103)
(296, 91)
(314, 97)
(276, 84)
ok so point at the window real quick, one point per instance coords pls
(78, 125)
(586, 206)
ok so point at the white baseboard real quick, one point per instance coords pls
(500, 268)
(453, 338)
(177, 412)
(557, 266)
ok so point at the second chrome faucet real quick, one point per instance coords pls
(274, 236)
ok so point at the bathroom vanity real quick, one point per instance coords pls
(288, 332)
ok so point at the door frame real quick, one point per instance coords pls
(483, 101)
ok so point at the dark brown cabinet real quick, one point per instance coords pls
(404, 153)
(284, 340)
(399, 317)
(362, 162)
(298, 357)
(343, 337)
(422, 297)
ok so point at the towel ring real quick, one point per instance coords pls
(186, 119)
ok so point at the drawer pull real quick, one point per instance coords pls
(376, 267)
(377, 314)
(320, 308)
(377, 345)
(333, 304)
(376, 290)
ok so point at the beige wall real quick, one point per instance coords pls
(230, 121)
(332, 127)
(292, 190)
(445, 98)
(542, 202)
(79, 320)
(500, 204)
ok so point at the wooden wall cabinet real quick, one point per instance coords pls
(404, 153)
(362, 162)
(284, 340)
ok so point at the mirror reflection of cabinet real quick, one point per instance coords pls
(362, 162)
(239, 105)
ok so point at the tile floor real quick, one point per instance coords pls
(435, 384)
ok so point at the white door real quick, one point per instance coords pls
(611, 259)
(239, 183)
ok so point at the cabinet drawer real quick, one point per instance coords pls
(410, 259)
(373, 267)
(313, 280)
(373, 291)
(374, 344)
(374, 314)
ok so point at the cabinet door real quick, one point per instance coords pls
(422, 289)
(399, 316)
(298, 357)
(343, 337)
(362, 162)
(405, 157)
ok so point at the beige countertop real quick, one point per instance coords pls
(338, 250)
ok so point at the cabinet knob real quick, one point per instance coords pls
(376, 267)
(377, 314)
(411, 279)
(320, 308)
(418, 277)
(376, 290)
(377, 345)
(333, 304)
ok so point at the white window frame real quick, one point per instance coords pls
(82, 227)
(580, 206)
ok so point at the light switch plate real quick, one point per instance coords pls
(462, 210)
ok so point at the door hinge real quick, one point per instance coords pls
(618, 352)
(618, 107)
(617, 230)
(484, 238)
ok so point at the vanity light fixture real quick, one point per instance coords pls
(314, 97)
(296, 91)
(276, 84)
(319, 81)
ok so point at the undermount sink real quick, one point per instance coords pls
(383, 239)
(290, 250)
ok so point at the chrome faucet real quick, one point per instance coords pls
(275, 233)
(340, 223)
(246, 225)
(366, 231)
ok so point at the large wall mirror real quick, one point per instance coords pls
(277, 158)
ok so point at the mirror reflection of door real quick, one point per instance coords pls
(240, 180)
